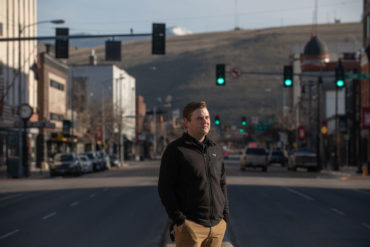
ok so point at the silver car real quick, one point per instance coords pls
(254, 157)
(86, 164)
(302, 158)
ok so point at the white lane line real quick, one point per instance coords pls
(92, 196)
(366, 225)
(338, 211)
(9, 234)
(9, 197)
(300, 194)
(74, 204)
(49, 216)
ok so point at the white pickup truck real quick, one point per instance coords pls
(254, 157)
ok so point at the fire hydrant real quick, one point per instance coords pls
(364, 169)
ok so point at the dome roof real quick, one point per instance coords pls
(315, 47)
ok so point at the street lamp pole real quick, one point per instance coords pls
(22, 141)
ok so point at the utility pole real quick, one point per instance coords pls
(155, 131)
(20, 136)
(318, 124)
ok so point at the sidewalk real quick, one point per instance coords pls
(349, 172)
(35, 173)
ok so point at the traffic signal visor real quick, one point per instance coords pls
(220, 74)
(288, 76)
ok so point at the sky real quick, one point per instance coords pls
(198, 16)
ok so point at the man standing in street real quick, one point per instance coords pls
(192, 184)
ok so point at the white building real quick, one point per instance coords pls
(17, 81)
(14, 20)
(111, 88)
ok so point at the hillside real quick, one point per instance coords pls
(187, 71)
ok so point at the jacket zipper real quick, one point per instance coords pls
(208, 172)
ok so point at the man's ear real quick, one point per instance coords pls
(186, 122)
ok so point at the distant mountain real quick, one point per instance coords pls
(171, 31)
(187, 71)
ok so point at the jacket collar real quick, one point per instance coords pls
(191, 140)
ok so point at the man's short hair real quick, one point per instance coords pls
(189, 108)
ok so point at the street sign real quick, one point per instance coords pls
(236, 73)
(66, 127)
(301, 133)
(260, 126)
(41, 124)
(366, 118)
(357, 76)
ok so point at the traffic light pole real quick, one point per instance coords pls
(336, 159)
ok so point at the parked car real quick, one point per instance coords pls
(97, 165)
(302, 158)
(114, 161)
(65, 163)
(277, 156)
(104, 159)
(254, 157)
(86, 164)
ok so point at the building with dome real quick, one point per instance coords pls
(315, 101)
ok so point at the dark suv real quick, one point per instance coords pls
(277, 156)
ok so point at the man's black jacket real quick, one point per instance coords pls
(192, 182)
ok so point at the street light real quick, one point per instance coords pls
(23, 155)
(20, 31)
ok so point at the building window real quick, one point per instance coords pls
(367, 26)
(56, 117)
(1, 29)
(56, 85)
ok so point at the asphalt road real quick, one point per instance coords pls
(285, 208)
(92, 212)
(121, 207)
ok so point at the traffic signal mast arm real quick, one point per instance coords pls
(313, 75)
(76, 37)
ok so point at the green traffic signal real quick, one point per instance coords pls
(288, 83)
(220, 75)
(244, 123)
(217, 122)
(340, 83)
(288, 76)
(339, 75)
(220, 81)
(241, 130)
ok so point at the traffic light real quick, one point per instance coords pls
(288, 76)
(244, 121)
(61, 44)
(112, 50)
(217, 120)
(220, 75)
(339, 75)
(159, 38)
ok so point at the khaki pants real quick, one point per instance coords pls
(195, 235)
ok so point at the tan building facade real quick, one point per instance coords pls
(52, 102)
